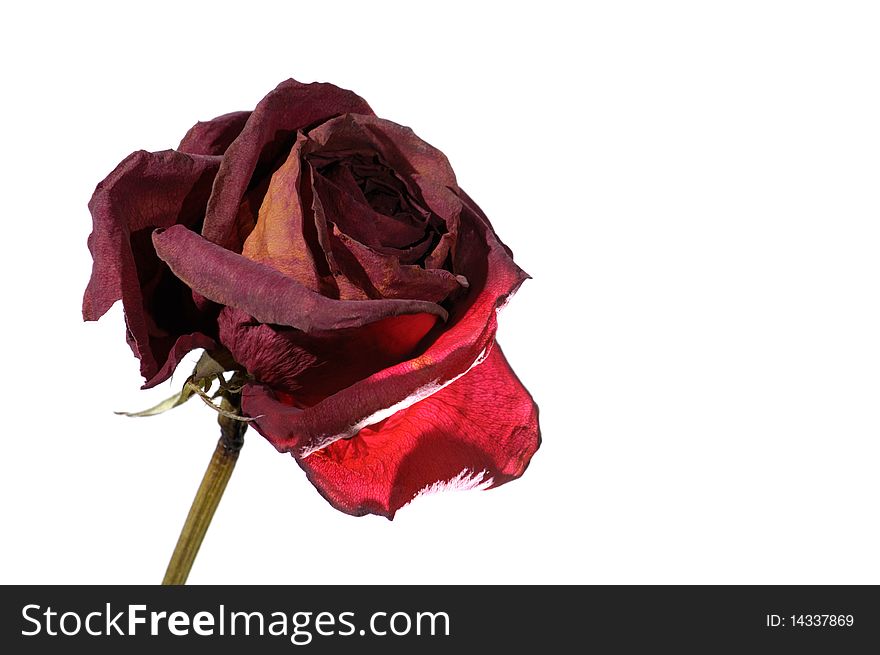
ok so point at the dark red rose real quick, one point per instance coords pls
(332, 254)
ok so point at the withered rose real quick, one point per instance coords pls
(332, 254)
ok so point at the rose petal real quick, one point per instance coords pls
(468, 335)
(383, 276)
(283, 237)
(481, 430)
(428, 175)
(181, 346)
(214, 136)
(147, 191)
(230, 279)
(425, 168)
(290, 107)
(307, 368)
(437, 257)
(342, 177)
(359, 220)
(269, 353)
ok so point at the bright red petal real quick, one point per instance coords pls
(481, 430)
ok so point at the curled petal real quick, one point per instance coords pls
(181, 346)
(214, 136)
(290, 107)
(148, 191)
(437, 257)
(355, 217)
(268, 295)
(383, 276)
(284, 237)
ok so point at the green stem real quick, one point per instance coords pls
(207, 498)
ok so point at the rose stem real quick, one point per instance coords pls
(207, 497)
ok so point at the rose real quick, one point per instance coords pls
(331, 256)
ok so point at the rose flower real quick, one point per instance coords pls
(330, 256)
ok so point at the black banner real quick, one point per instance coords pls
(447, 619)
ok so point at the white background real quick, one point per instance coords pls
(693, 186)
